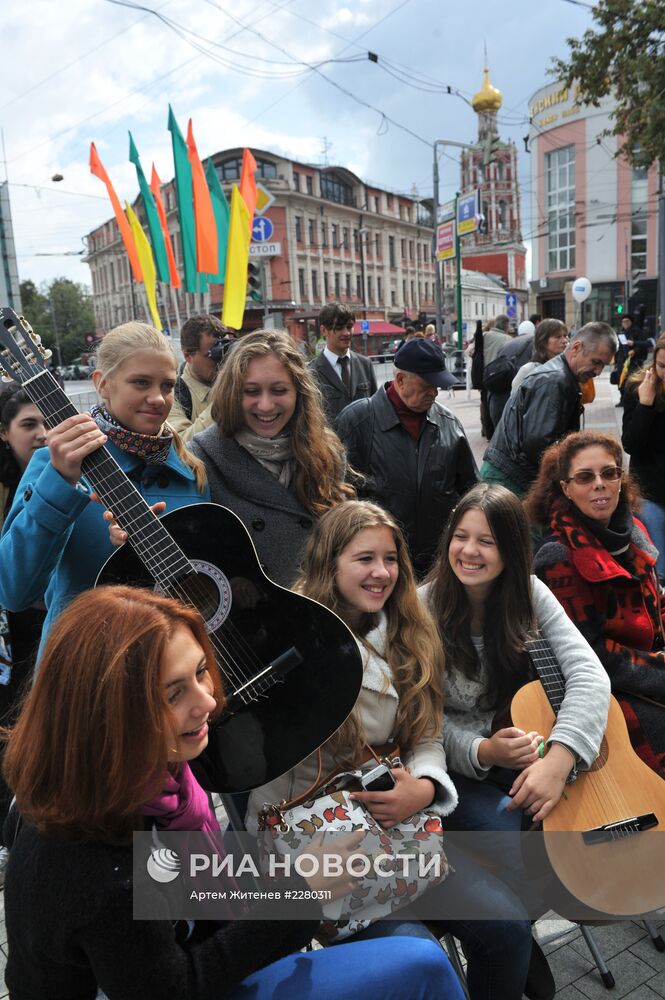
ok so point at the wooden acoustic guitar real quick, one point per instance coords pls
(605, 839)
(292, 669)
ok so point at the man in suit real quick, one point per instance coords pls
(340, 373)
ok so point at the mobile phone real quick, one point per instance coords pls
(379, 779)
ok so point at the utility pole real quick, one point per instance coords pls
(458, 285)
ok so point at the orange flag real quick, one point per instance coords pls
(204, 215)
(248, 184)
(97, 169)
(156, 188)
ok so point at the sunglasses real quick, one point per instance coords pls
(610, 474)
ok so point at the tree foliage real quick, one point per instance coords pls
(624, 56)
(61, 313)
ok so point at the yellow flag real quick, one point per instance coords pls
(147, 264)
(237, 257)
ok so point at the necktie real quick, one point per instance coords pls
(346, 375)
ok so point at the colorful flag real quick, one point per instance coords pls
(248, 184)
(183, 184)
(237, 258)
(204, 217)
(154, 228)
(147, 263)
(220, 207)
(98, 170)
(156, 188)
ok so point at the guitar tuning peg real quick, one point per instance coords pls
(46, 354)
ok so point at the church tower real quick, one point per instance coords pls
(492, 168)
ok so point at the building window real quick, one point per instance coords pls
(560, 188)
(348, 286)
(427, 291)
(338, 287)
(393, 297)
(356, 240)
(408, 213)
(311, 226)
(404, 292)
(370, 295)
(309, 184)
(376, 205)
(503, 215)
(169, 200)
(296, 180)
(426, 252)
(359, 287)
(335, 235)
(377, 244)
(418, 253)
(403, 249)
(229, 170)
(298, 229)
(411, 250)
(379, 289)
(345, 238)
(326, 286)
(324, 235)
(500, 170)
(413, 294)
(301, 283)
(334, 189)
(315, 285)
(391, 251)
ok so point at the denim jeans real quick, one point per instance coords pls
(399, 968)
(653, 515)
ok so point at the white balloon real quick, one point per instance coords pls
(525, 328)
(581, 289)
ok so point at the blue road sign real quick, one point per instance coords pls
(262, 229)
(511, 305)
(467, 213)
(364, 326)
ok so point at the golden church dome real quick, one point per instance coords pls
(488, 97)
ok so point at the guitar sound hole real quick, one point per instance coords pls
(601, 760)
(208, 590)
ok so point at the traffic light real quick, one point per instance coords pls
(619, 305)
(255, 282)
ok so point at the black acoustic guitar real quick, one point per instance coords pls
(292, 669)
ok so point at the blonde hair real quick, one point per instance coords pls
(117, 347)
(638, 377)
(412, 649)
(318, 452)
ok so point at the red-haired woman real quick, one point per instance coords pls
(599, 561)
(102, 748)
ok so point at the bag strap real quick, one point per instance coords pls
(381, 755)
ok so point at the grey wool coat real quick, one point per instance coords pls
(276, 520)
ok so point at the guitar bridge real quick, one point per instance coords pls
(621, 829)
(262, 681)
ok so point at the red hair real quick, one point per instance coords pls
(91, 744)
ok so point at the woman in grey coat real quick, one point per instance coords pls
(270, 456)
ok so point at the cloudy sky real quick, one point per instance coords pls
(285, 75)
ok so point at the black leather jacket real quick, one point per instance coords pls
(545, 407)
(418, 482)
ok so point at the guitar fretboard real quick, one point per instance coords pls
(162, 557)
(548, 670)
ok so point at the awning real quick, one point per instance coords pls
(378, 326)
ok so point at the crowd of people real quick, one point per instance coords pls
(368, 500)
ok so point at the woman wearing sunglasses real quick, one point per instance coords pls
(600, 563)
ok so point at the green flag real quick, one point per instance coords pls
(220, 207)
(183, 184)
(154, 227)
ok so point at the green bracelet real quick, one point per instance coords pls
(541, 749)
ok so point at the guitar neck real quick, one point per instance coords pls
(548, 670)
(157, 550)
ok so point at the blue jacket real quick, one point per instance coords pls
(55, 541)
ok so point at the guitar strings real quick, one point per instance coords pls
(604, 790)
(230, 656)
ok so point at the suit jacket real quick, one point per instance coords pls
(335, 394)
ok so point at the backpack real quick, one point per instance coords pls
(499, 374)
